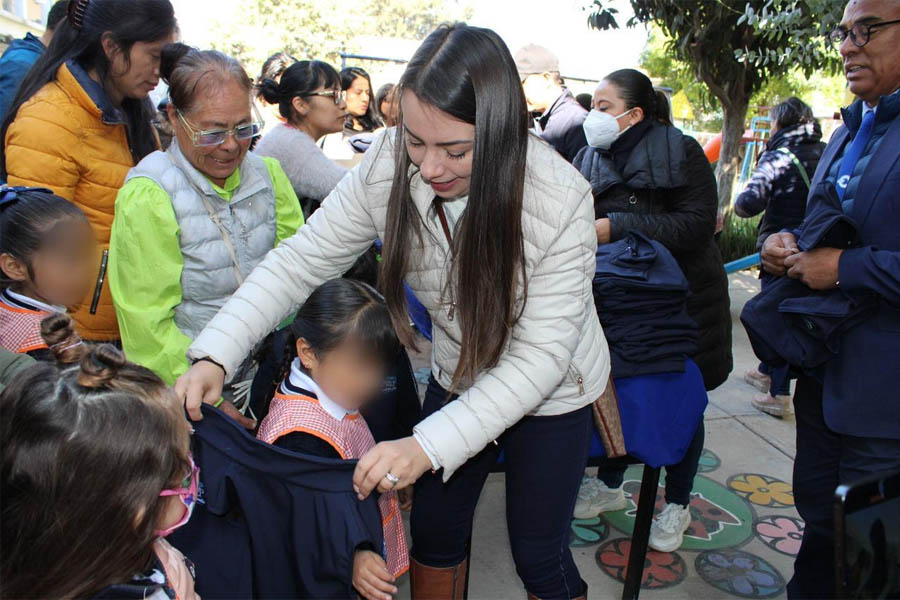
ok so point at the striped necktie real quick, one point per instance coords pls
(851, 157)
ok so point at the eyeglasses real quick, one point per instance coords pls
(335, 95)
(215, 137)
(188, 486)
(859, 33)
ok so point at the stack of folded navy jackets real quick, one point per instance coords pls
(641, 296)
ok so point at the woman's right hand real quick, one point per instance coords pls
(203, 382)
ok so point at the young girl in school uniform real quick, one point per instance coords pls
(96, 472)
(46, 258)
(342, 345)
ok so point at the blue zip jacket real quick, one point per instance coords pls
(14, 65)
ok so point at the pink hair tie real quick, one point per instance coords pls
(64, 348)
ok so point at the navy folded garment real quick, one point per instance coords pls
(639, 262)
(271, 523)
(789, 323)
(640, 294)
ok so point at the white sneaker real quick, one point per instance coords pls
(759, 380)
(667, 530)
(595, 498)
(777, 406)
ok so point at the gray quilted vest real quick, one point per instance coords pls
(209, 279)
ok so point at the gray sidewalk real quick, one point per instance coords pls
(745, 529)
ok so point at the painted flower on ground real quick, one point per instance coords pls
(739, 573)
(763, 490)
(587, 532)
(708, 461)
(661, 570)
(780, 533)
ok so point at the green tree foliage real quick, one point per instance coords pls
(735, 47)
(822, 89)
(322, 29)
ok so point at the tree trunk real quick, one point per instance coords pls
(729, 167)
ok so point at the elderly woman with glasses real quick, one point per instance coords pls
(310, 99)
(193, 221)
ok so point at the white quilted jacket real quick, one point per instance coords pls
(556, 359)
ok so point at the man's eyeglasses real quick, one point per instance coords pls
(335, 95)
(859, 34)
(215, 137)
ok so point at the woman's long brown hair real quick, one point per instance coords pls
(468, 73)
(87, 445)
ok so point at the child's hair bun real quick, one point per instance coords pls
(100, 366)
(58, 332)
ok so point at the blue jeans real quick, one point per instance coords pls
(679, 478)
(781, 376)
(545, 458)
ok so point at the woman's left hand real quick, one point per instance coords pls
(404, 459)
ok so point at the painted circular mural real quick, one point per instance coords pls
(739, 573)
(661, 569)
(780, 533)
(720, 518)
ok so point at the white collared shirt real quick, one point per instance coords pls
(35, 303)
(301, 380)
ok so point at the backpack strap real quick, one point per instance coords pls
(803, 174)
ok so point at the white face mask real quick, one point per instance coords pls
(601, 128)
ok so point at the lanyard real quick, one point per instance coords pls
(439, 209)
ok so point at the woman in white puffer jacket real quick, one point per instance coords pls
(494, 232)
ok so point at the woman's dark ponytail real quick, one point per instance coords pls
(268, 89)
(169, 58)
(663, 108)
(637, 91)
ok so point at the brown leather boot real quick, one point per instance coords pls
(437, 583)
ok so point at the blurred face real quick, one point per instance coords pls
(390, 110)
(65, 267)
(347, 373)
(440, 145)
(541, 91)
(873, 70)
(359, 94)
(173, 507)
(607, 99)
(319, 115)
(223, 106)
(138, 75)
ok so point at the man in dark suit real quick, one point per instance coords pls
(848, 418)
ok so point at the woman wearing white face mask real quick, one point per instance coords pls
(648, 176)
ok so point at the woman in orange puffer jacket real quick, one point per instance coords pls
(82, 118)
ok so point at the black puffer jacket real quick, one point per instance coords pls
(777, 185)
(657, 181)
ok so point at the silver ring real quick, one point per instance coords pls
(392, 478)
